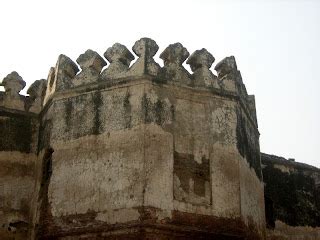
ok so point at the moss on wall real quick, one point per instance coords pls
(158, 112)
(293, 193)
(97, 103)
(16, 132)
(247, 144)
(44, 134)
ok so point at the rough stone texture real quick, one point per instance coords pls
(292, 198)
(135, 147)
(17, 167)
(120, 58)
(200, 62)
(229, 77)
(36, 93)
(138, 152)
(173, 71)
(13, 84)
(91, 64)
(65, 70)
(145, 49)
(226, 70)
(51, 86)
(252, 108)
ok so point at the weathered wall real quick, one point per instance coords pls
(155, 149)
(251, 186)
(292, 198)
(17, 167)
(19, 128)
(98, 156)
(144, 151)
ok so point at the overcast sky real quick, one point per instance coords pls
(276, 45)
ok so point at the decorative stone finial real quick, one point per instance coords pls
(66, 70)
(200, 62)
(228, 74)
(91, 59)
(36, 89)
(120, 58)
(50, 84)
(225, 66)
(91, 64)
(13, 84)
(51, 77)
(173, 56)
(200, 58)
(36, 94)
(145, 49)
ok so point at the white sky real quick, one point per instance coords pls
(276, 45)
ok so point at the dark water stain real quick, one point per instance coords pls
(97, 103)
(247, 144)
(186, 168)
(68, 114)
(127, 111)
(16, 132)
(294, 196)
(158, 112)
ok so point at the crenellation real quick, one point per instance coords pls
(200, 62)
(120, 58)
(227, 73)
(91, 64)
(65, 71)
(230, 80)
(13, 84)
(60, 77)
(51, 86)
(144, 152)
(229, 76)
(226, 66)
(173, 71)
(37, 93)
(145, 49)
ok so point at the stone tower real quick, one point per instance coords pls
(114, 151)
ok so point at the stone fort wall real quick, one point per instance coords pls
(121, 151)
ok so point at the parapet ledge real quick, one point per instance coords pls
(119, 68)
(230, 79)
(12, 99)
(67, 75)
(267, 159)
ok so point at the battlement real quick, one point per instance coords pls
(92, 71)
(107, 147)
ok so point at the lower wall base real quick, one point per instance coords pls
(283, 231)
(13, 234)
(149, 233)
(180, 226)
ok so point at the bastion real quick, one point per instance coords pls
(133, 151)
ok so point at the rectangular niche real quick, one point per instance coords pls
(191, 179)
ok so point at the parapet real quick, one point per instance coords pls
(292, 193)
(94, 71)
(12, 99)
(119, 141)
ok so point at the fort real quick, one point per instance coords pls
(140, 151)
